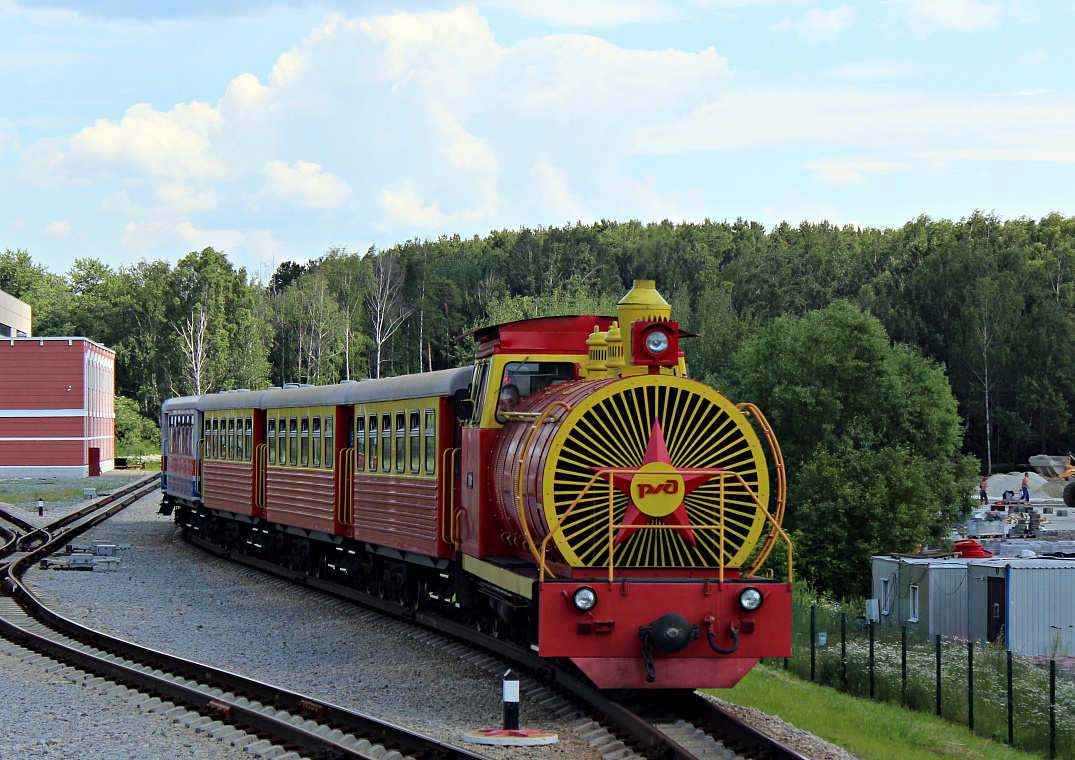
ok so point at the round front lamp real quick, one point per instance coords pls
(656, 342)
(750, 599)
(584, 599)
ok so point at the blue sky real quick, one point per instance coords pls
(131, 130)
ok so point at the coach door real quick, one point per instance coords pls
(344, 465)
(261, 458)
(995, 607)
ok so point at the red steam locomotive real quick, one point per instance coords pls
(572, 490)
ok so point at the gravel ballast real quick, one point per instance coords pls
(169, 595)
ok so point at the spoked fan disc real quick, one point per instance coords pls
(661, 430)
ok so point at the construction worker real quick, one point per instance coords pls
(982, 495)
(1026, 488)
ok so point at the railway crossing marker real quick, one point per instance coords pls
(511, 735)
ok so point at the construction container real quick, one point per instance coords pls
(928, 595)
(1027, 604)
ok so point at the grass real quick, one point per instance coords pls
(871, 730)
(49, 493)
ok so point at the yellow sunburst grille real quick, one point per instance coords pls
(702, 429)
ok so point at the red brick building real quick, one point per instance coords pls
(57, 407)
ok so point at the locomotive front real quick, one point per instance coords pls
(643, 499)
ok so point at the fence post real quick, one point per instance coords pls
(871, 660)
(813, 640)
(938, 674)
(843, 649)
(1011, 704)
(970, 685)
(903, 664)
(1052, 708)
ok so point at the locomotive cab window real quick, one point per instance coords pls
(360, 442)
(330, 446)
(523, 379)
(272, 441)
(416, 442)
(431, 441)
(315, 437)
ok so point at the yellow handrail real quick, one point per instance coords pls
(345, 464)
(523, 460)
(447, 465)
(781, 486)
(260, 451)
(613, 525)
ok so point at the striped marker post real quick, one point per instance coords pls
(511, 701)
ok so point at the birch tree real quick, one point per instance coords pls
(384, 304)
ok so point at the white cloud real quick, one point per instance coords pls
(403, 205)
(876, 71)
(304, 185)
(550, 189)
(61, 228)
(853, 171)
(918, 126)
(927, 16)
(820, 26)
(144, 143)
(593, 13)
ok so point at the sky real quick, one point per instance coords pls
(272, 131)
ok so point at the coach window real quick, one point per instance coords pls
(386, 443)
(293, 458)
(281, 442)
(207, 446)
(416, 442)
(222, 452)
(373, 442)
(360, 442)
(315, 437)
(231, 438)
(215, 444)
(431, 441)
(239, 450)
(249, 438)
(330, 448)
(304, 442)
(401, 441)
(272, 441)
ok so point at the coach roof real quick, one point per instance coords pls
(441, 383)
(181, 403)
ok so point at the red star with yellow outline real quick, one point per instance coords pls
(657, 454)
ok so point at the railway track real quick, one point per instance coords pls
(261, 718)
(670, 725)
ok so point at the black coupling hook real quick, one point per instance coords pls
(713, 640)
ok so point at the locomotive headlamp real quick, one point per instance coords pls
(657, 342)
(750, 599)
(584, 599)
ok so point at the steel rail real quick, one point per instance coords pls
(616, 707)
(147, 669)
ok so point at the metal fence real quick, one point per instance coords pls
(1025, 702)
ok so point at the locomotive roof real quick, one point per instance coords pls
(440, 383)
(566, 335)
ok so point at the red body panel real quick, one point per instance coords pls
(604, 642)
(300, 497)
(479, 533)
(400, 512)
(227, 485)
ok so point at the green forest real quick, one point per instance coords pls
(895, 364)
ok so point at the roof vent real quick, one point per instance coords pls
(348, 382)
(291, 385)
